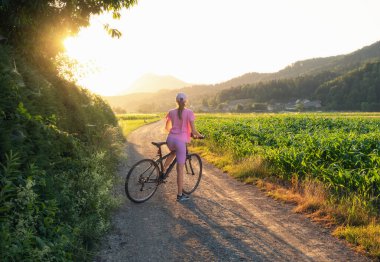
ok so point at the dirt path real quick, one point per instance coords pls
(224, 221)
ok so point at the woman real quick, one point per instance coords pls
(180, 124)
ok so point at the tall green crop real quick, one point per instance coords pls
(341, 151)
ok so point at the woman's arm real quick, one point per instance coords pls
(194, 130)
(168, 124)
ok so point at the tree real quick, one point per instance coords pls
(204, 102)
(37, 28)
(239, 108)
(119, 110)
(300, 107)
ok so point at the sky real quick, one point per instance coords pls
(211, 41)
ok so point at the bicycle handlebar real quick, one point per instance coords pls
(197, 137)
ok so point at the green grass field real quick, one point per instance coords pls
(130, 122)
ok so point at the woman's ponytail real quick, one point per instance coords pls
(181, 101)
(181, 106)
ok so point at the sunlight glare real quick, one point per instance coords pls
(209, 45)
(93, 49)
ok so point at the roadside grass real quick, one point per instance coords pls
(353, 220)
(222, 161)
(130, 122)
(363, 237)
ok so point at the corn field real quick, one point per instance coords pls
(340, 150)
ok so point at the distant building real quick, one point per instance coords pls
(307, 104)
(312, 104)
(234, 104)
(296, 105)
(276, 107)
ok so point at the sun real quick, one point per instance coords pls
(96, 55)
(85, 66)
(75, 48)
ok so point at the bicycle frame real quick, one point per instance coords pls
(161, 159)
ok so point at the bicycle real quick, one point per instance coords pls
(146, 175)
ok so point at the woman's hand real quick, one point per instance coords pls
(194, 132)
(197, 135)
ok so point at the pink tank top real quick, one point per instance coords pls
(180, 128)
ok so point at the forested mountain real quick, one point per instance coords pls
(297, 81)
(153, 83)
(282, 90)
(339, 64)
(357, 90)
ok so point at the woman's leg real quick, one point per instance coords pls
(180, 178)
(180, 152)
(168, 160)
(170, 142)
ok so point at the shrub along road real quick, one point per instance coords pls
(225, 220)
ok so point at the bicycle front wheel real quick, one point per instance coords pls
(142, 181)
(193, 173)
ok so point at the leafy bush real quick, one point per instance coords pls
(59, 146)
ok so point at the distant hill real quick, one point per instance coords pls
(150, 83)
(356, 90)
(335, 65)
(339, 64)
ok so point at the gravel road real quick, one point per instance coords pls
(224, 220)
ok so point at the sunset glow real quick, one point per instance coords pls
(213, 41)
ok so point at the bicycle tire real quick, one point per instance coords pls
(192, 173)
(142, 180)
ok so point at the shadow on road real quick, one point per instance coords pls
(233, 237)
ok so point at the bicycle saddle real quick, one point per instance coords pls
(158, 144)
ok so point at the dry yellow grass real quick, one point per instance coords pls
(249, 169)
(352, 211)
(314, 197)
(279, 192)
(222, 161)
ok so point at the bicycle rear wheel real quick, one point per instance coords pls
(193, 173)
(142, 181)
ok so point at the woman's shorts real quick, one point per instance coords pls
(180, 148)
